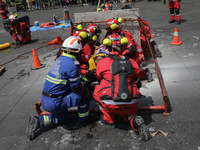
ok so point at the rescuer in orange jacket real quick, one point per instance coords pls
(174, 8)
(19, 27)
(117, 93)
(3, 10)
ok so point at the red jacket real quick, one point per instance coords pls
(103, 71)
(20, 28)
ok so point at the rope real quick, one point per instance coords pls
(23, 55)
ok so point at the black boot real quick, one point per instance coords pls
(156, 49)
(33, 127)
(171, 21)
(148, 75)
(178, 22)
(138, 123)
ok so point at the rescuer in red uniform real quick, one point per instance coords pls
(117, 93)
(174, 8)
(19, 27)
(3, 10)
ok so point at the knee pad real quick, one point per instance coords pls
(171, 10)
(177, 11)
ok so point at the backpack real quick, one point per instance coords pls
(121, 69)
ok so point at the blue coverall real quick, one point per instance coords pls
(58, 93)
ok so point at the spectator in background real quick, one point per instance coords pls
(51, 4)
(24, 5)
(42, 3)
(37, 4)
(29, 5)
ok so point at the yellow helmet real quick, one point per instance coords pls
(124, 41)
(120, 20)
(79, 27)
(94, 37)
(83, 34)
(107, 42)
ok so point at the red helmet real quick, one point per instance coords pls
(108, 6)
(113, 25)
(93, 29)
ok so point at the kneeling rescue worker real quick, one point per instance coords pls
(62, 90)
(117, 93)
(19, 27)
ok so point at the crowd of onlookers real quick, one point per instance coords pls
(30, 5)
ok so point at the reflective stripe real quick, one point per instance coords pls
(81, 115)
(56, 81)
(137, 80)
(114, 39)
(68, 55)
(46, 120)
(175, 33)
(100, 107)
(111, 102)
(82, 106)
(74, 79)
(139, 50)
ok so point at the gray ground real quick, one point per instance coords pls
(21, 87)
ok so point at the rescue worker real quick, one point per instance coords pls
(108, 6)
(85, 38)
(3, 10)
(87, 51)
(19, 27)
(144, 44)
(132, 49)
(62, 90)
(95, 32)
(115, 77)
(174, 8)
(114, 26)
(103, 8)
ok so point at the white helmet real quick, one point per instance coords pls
(13, 17)
(72, 44)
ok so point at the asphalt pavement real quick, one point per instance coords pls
(21, 86)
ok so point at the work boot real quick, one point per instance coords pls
(111, 125)
(171, 21)
(32, 128)
(148, 75)
(178, 22)
(156, 49)
(138, 123)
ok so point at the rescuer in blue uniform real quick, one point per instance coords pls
(62, 89)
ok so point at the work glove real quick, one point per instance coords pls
(164, 2)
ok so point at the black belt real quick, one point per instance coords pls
(50, 95)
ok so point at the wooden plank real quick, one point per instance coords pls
(2, 70)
